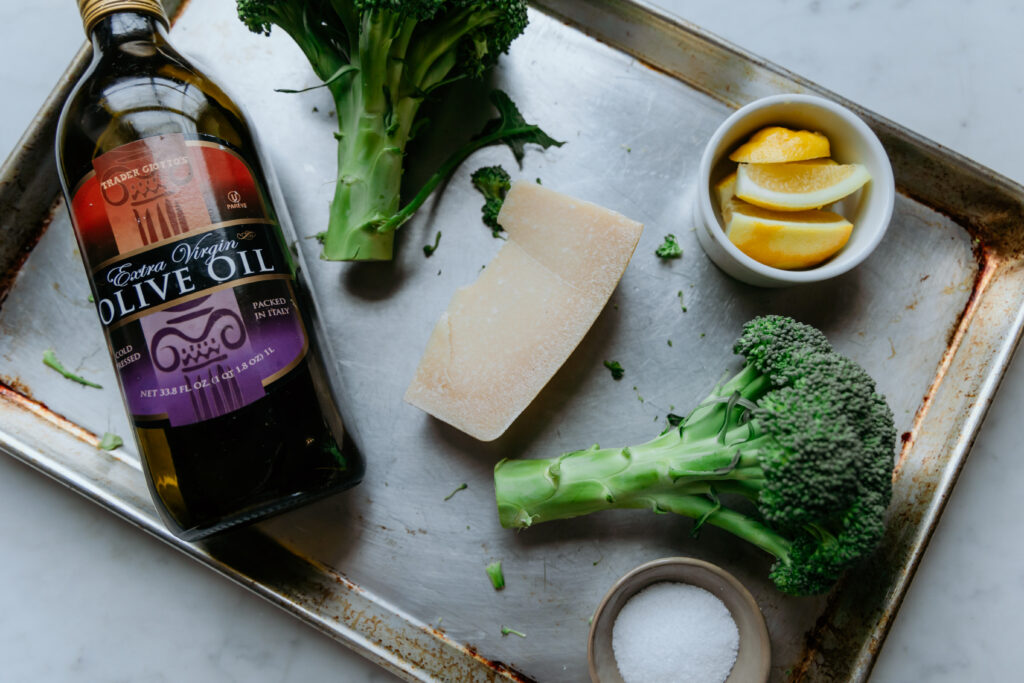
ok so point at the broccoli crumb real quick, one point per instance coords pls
(50, 361)
(461, 487)
(428, 249)
(615, 368)
(505, 630)
(670, 342)
(109, 441)
(495, 574)
(682, 305)
(669, 249)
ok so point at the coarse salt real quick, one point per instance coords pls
(674, 633)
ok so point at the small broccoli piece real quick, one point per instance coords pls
(800, 431)
(506, 631)
(50, 361)
(380, 59)
(495, 574)
(429, 249)
(616, 369)
(461, 487)
(669, 249)
(493, 183)
(109, 441)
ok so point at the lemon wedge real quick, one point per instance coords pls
(726, 189)
(777, 145)
(787, 240)
(798, 185)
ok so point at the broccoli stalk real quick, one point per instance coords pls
(380, 59)
(799, 431)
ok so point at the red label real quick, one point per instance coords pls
(192, 282)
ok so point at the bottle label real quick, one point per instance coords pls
(192, 282)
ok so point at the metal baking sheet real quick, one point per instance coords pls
(394, 570)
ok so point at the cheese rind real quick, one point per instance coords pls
(504, 337)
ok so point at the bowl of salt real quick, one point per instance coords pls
(678, 619)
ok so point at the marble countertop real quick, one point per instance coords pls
(86, 597)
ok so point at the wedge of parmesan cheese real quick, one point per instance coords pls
(504, 337)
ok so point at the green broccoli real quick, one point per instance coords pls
(493, 182)
(670, 248)
(615, 367)
(380, 59)
(429, 249)
(799, 431)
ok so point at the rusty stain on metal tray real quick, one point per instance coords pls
(966, 225)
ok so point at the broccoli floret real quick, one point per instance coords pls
(615, 367)
(380, 59)
(669, 249)
(800, 431)
(493, 183)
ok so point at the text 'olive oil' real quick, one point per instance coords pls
(194, 284)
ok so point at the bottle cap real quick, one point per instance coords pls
(94, 10)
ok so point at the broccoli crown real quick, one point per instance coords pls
(822, 553)
(812, 462)
(483, 46)
(827, 465)
(776, 345)
(474, 32)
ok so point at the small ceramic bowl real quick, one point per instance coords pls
(754, 657)
(869, 209)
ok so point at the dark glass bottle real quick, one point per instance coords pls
(194, 284)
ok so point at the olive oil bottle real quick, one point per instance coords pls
(193, 283)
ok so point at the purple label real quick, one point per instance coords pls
(210, 355)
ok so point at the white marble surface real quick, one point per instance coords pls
(85, 597)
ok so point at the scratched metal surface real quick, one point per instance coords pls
(394, 570)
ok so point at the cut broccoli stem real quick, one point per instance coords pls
(582, 482)
(370, 156)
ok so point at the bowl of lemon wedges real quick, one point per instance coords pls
(792, 189)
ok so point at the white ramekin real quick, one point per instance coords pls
(869, 209)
